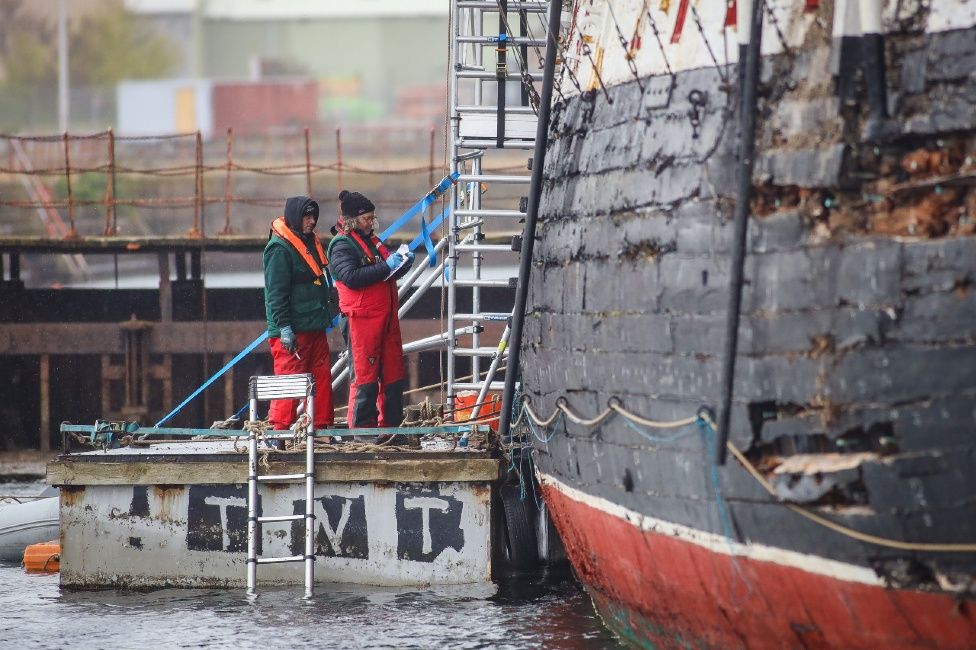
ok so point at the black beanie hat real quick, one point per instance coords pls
(353, 204)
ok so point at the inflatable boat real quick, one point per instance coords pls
(30, 522)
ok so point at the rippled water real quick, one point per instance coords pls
(545, 609)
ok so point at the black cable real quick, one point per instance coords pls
(708, 46)
(660, 44)
(776, 27)
(556, 88)
(747, 145)
(528, 87)
(563, 50)
(625, 46)
(528, 234)
(588, 53)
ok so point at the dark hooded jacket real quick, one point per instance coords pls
(361, 275)
(350, 265)
(293, 294)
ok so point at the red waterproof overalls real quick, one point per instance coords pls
(312, 346)
(376, 349)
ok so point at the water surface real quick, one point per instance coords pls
(543, 609)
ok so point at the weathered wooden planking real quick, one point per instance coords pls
(65, 471)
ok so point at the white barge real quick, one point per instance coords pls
(176, 514)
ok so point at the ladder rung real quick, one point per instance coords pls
(492, 178)
(475, 352)
(483, 248)
(265, 520)
(478, 143)
(491, 213)
(485, 5)
(485, 75)
(279, 386)
(493, 40)
(280, 477)
(495, 385)
(485, 316)
(492, 110)
(510, 283)
(279, 560)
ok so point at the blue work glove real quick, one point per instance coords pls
(288, 339)
(410, 256)
(394, 260)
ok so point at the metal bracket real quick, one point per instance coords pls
(698, 100)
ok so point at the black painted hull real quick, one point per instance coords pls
(856, 375)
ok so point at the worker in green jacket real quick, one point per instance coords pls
(298, 292)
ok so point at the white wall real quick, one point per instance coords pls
(149, 107)
(290, 9)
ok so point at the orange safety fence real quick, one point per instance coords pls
(69, 155)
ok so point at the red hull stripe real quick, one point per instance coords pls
(655, 582)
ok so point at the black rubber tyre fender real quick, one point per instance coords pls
(520, 537)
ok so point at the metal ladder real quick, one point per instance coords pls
(262, 388)
(477, 130)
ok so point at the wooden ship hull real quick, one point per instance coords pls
(845, 516)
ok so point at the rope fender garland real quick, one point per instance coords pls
(704, 419)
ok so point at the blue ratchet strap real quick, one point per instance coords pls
(428, 244)
(243, 353)
(420, 207)
(433, 224)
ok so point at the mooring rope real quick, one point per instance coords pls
(425, 414)
(257, 428)
(614, 406)
(933, 547)
(707, 423)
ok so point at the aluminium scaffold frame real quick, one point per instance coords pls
(475, 130)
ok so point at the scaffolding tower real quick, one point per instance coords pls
(488, 121)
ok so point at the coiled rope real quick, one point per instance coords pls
(257, 428)
(301, 430)
(704, 418)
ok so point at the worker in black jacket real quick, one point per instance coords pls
(366, 273)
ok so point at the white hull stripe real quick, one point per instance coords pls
(849, 17)
(718, 543)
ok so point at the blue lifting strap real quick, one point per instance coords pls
(428, 244)
(421, 207)
(433, 224)
(240, 355)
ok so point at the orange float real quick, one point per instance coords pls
(44, 557)
(466, 400)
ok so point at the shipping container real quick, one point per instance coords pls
(155, 106)
(261, 106)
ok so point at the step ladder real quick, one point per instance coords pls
(482, 124)
(263, 388)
